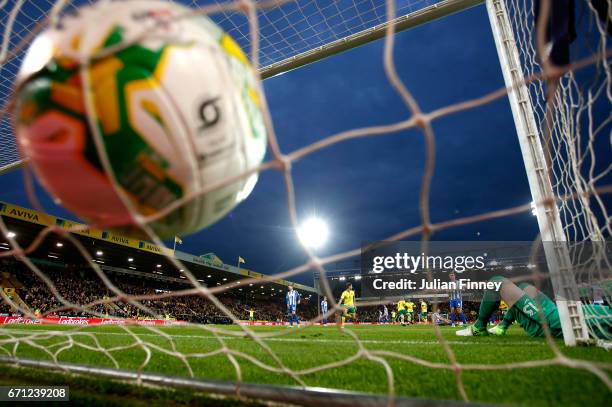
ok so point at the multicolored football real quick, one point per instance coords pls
(135, 97)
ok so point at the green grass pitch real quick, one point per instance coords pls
(315, 346)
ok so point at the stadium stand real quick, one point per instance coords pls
(81, 286)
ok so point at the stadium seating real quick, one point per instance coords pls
(81, 286)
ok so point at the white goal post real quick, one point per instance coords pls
(551, 231)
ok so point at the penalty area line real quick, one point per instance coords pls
(56, 333)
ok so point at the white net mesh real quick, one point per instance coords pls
(578, 174)
(285, 31)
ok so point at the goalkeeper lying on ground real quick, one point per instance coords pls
(523, 308)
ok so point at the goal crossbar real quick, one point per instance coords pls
(405, 22)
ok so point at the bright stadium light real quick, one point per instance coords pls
(99, 253)
(313, 233)
(130, 259)
(59, 244)
(11, 234)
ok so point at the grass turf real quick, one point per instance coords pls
(315, 346)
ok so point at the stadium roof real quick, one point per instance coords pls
(125, 255)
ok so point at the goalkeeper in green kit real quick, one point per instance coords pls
(522, 300)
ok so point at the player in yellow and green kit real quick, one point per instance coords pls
(423, 311)
(393, 316)
(410, 311)
(401, 311)
(347, 301)
(251, 314)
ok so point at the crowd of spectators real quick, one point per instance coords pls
(81, 286)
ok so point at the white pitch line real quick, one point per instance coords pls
(41, 332)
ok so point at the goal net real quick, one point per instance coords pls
(565, 133)
(564, 116)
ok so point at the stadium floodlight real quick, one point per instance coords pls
(133, 268)
(158, 266)
(313, 233)
(357, 277)
(342, 278)
(209, 276)
(59, 244)
(130, 259)
(99, 253)
(11, 234)
(224, 279)
(52, 256)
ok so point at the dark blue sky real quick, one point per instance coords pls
(368, 189)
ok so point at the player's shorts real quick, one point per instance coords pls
(525, 311)
(455, 304)
(251, 318)
(402, 312)
(291, 309)
(350, 309)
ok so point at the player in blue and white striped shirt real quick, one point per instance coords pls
(456, 304)
(292, 299)
(324, 309)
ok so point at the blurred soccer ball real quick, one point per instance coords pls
(174, 103)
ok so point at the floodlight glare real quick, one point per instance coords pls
(313, 233)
